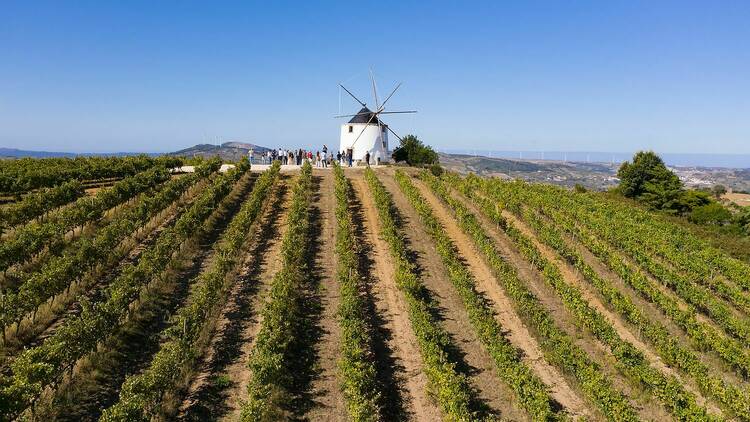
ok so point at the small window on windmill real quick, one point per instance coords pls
(351, 129)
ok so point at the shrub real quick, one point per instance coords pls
(436, 170)
(713, 213)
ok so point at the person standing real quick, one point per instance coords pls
(350, 153)
(367, 158)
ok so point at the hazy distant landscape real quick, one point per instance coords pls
(590, 174)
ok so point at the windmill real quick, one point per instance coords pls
(365, 131)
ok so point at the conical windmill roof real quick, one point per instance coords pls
(363, 116)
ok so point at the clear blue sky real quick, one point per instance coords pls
(560, 75)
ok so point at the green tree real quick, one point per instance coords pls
(414, 152)
(644, 174)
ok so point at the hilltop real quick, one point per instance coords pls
(230, 151)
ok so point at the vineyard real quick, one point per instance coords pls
(365, 294)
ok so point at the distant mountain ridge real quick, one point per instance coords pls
(230, 151)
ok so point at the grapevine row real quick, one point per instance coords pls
(673, 243)
(40, 366)
(359, 376)
(26, 174)
(39, 203)
(529, 389)
(653, 239)
(560, 349)
(703, 334)
(141, 395)
(643, 238)
(630, 360)
(271, 360)
(57, 274)
(668, 348)
(31, 238)
(632, 243)
(450, 389)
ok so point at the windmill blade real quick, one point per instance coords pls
(398, 112)
(394, 133)
(382, 106)
(352, 115)
(363, 129)
(364, 113)
(374, 90)
(350, 93)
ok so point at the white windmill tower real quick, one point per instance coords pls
(365, 132)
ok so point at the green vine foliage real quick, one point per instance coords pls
(37, 367)
(630, 360)
(141, 394)
(560, 349)
(356, 365)
(85, 254)
(269, 390)
(39, 203)
(450, 389)
(26, 174)
(545, 218)
(530, 391)
(32, 238)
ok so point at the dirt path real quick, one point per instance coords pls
(392, 308)
(514, 328)
(494, 397)
(574, 279)
(220, 384)
(328, 402)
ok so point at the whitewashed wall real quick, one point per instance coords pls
(368, 141)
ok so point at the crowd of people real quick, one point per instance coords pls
(322, 158)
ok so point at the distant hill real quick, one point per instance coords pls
(19, 153)
(230, 151)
